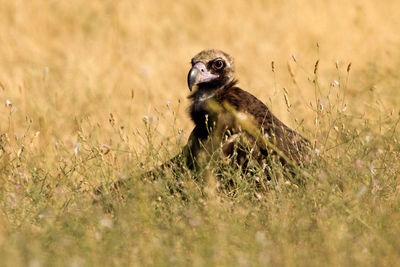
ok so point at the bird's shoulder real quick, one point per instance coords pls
(239, 98)
(244, 101)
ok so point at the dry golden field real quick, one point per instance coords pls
(82, 76)
(62, 61)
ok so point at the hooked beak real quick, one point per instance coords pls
(199, 74)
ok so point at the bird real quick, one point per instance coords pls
(231, 119)
(228, 117)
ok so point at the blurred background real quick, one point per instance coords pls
(62, 62)
(93, 92)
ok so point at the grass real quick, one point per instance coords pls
(95, 92)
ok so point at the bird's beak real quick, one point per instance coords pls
(199, 74)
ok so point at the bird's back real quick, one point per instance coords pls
(291, 143)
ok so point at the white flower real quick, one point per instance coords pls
(106, 222)
(148, 118)
(76, 148)
(372, 169)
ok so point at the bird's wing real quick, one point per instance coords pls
(291, 143)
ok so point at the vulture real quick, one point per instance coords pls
(228, 117)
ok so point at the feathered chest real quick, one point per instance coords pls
(201, 108)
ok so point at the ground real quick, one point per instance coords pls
(95, 91)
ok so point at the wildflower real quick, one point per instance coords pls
(372, 169)
(368, 138)
(317, 152)
(76, 148)
(322, 103)
(148, 118)
(106, 222)
(8, 103)
(336, 82)
(168, 103)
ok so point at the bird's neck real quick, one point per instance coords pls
(206, 91)
(201, 112)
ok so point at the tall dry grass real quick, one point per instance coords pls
(94, 91)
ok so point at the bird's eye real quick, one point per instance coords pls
(218, 64)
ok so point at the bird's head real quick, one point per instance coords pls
(211, 68)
